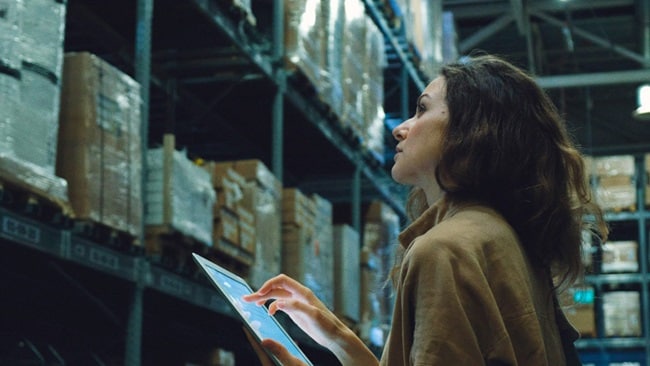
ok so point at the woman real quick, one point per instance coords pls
(498, 206)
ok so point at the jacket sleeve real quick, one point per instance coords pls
(446, 297)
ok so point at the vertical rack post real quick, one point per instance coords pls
(144, 14)
(404, 94)
(355, 199)
(277, 142)
(643, 252)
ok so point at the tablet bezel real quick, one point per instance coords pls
(203, 263)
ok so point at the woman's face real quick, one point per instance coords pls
(420, 138)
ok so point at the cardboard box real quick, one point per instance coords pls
(263, 198)
(616, 192)
(323, 261)
(622, 314)
(620, 256)
(347, 272)
(226, 227)
(247, 234)
(297, 208)
(227, 182)
(99, 147)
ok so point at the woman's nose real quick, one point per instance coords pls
(400, 131)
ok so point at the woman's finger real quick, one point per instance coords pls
(264, 358)
(260, 298)
(282, 354)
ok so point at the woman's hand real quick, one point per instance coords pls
(314, 318)
(282, 354)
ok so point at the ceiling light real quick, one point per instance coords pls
(643, 98)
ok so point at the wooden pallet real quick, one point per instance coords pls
(105, 235)
(173, 250)
(630, 208)
(34, 204)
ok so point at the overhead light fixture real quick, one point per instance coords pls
(642, 113)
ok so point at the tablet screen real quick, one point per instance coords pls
(257, 317)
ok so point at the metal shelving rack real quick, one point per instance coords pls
(641, 220)
(139, 273)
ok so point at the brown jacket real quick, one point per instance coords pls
(467, 295)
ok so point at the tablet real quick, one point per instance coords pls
(255, 317)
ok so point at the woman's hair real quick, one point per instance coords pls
(507, 146)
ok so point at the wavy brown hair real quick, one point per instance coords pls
(507, 146)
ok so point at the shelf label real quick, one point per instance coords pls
(21, 230)
(100, 259)
(174, 285)
(104, 259)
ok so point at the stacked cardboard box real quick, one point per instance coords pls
(614, 178)
(380, 231)
(262, 196)
(306, 242)
(179, 194)
(620, 256)
(234, 231)
(330, 82)
(323, 261)
(99, 146)
(622, 314)
(347, 272)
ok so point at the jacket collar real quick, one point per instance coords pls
(437, 212)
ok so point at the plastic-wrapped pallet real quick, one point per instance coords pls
(373, 91)
(100, 145)
(35, 132)
(424, 32)
(331, 87)
(11, 13)
(449, 37)
(9, 101)
(353, 66)
(303, 37)
(42, 34)
(29, 103)
(179, 193)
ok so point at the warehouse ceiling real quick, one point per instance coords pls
(590, 55)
